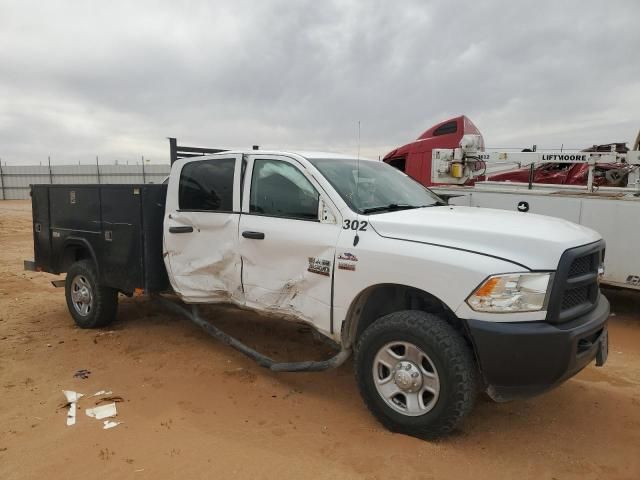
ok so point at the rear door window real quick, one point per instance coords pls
(207, 185)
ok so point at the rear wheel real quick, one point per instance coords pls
(91, 305)
(416, 374)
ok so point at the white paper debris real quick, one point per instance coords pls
(102, 392)
(102, 411)
(110, 424)
(72, 398)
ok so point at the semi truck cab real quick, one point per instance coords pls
(414, 158)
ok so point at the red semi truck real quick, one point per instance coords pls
(415, 158)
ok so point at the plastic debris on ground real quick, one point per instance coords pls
(110, 424)
(99, 412)
(72, 399)
(102, 392)
(102, 411)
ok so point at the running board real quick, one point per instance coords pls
(262, 360)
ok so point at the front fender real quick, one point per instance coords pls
(447, 274)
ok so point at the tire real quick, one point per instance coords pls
(90, 304)
(426, 347)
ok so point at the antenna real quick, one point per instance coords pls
(358, 143)
(358, 162)
(356, 239)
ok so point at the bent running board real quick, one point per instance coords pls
(262, 360)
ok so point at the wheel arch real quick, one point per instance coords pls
(75, 249)
(381, 299)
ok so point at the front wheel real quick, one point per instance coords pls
(416, 374)
(90, 304)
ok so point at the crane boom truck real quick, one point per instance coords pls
(436, 302)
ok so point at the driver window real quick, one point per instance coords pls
(281, 190)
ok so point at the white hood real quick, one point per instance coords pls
(535, 241)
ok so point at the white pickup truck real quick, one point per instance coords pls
(437, 302)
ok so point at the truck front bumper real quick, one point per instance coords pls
(522, 359)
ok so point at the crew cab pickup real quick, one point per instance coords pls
(437, 302)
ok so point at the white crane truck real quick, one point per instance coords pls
(437, 302)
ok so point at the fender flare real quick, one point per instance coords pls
(351, 324)
(73, 241)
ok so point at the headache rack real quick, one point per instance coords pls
(179, 151)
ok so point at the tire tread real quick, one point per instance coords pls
(459, 360)
(105, 298)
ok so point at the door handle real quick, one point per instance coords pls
(185, 229)
(254, 235)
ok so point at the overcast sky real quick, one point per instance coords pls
(116, 78)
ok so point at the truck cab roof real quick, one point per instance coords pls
(302, 153)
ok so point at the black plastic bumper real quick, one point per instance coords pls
(526, 358)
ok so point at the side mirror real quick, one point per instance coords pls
(447, 197)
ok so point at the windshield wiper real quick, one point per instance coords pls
(391, 207)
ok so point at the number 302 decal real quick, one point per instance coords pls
(355, 225)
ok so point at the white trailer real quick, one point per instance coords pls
(614, 212)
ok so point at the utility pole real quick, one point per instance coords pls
(98, 169)
(144, 178)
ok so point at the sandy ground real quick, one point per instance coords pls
(194, 408)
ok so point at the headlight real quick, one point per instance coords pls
(514, 292)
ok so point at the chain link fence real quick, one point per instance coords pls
(15, 179)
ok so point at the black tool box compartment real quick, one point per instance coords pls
(118, 226)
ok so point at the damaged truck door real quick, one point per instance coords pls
(271, 248)
(287, 241)
(201, 229)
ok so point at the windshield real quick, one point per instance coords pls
(374, 187)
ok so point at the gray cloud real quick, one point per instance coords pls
(116, 78)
